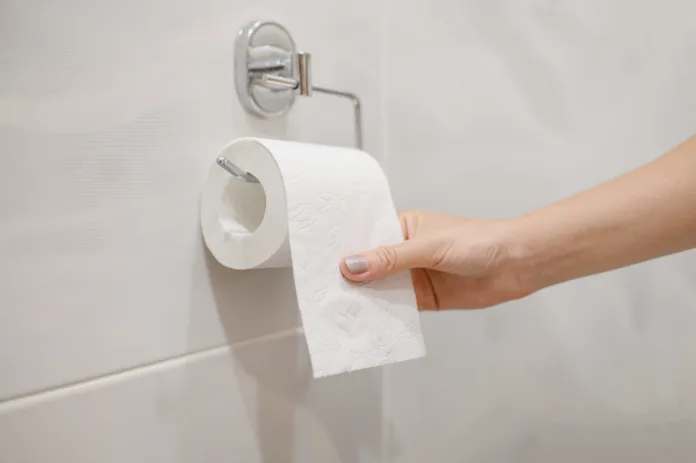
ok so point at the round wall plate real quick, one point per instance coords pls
(263, 47)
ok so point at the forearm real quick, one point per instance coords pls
(645, 214)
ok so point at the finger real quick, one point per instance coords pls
(387, 260)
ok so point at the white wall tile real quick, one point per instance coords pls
(255, 403)
(496, 107)
(110, 115)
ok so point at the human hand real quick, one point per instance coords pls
(455, 263)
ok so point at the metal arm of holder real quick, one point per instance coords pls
(269, 72)
(303, 85)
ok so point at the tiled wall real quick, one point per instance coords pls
(533, 101)
(121, 341)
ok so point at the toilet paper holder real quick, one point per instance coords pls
(269, 73)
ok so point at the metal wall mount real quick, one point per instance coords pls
(270, 73)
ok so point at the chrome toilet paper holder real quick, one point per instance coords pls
(269, 73)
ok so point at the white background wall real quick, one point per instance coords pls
(547, 98)
(121, 340)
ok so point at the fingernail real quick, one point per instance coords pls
(356, 265)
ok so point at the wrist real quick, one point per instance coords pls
(527, 249)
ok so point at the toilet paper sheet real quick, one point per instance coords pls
(321, 204)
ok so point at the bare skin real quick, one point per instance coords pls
(459, 263)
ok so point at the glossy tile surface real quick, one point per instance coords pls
(111, 113)
(540, 100)
(106, 136)
(255, 403)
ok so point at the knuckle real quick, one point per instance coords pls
(386, 257)
(493, 255)
(408, 220)
(440, 258)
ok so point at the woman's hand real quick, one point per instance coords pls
(460, 263)
(455, 263)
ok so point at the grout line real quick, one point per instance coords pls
(383, 87)
(386, 436)
(386, 414)
(52, 392)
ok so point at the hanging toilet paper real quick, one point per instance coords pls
(312, 206)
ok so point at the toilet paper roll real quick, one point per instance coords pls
(312, 206)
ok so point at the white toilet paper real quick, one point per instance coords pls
(314, 205)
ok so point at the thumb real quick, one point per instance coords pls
(381, 262)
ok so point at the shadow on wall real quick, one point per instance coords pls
(506, 436)
(296, 417)
(673, 442)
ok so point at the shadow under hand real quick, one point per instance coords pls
(297, 418)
